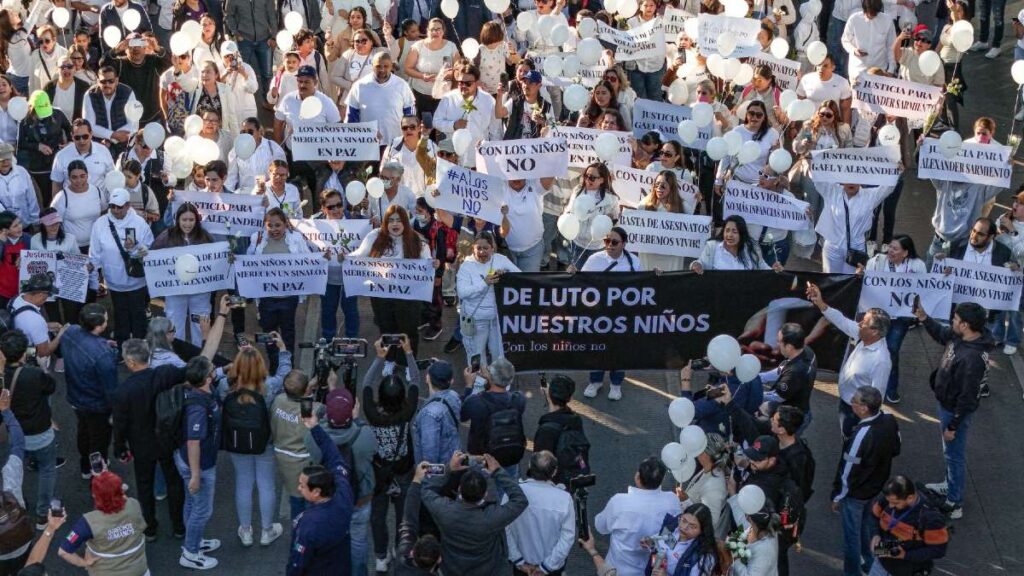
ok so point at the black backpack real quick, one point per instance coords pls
(246, 425)
(572, 450)
(170, 414)
(505, 438)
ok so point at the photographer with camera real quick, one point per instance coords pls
(911, 533)
(27, 315)
(560, 431)
(709, 414)
(540, 539)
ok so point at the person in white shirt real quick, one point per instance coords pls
(477, 276)
(417, 154)
(634, 515)
(525, 202)
(868, 39)
(242, 173)
(17, 193)
(824, 84)
(240, 78)
(279, 193)
(105, 108)
(31, 321)
(542, 536)
(468, 107)
(97, 158)
(868, 364)
(79, 204)
(381, 96)
(844, 222)
(118, 237)
(733, 249)
(394, 193)
(45, 59)
(841, 12)
(287, 111)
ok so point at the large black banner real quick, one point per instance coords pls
(591, 321)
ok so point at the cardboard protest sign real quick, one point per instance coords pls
(644, 41)
(744, 29)
(787, 72)
(580, 142)
(664, 118)
(764, 207)
(323, 142)
(525, 159)
(465, 191)
(337, 235)
(895, 292)
(993, 287)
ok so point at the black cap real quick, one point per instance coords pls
(38, 282)
(763, 448)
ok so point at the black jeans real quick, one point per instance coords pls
(145, 472)
(129, 314)
(393, 316)
(278, 315)
(379, 514)
(94, 432)
(887, 210)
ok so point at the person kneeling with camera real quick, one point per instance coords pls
(911, 532)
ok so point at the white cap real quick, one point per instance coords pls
(119, 197)
(228, 47)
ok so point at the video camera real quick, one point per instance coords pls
(578, 488)
(338, 354)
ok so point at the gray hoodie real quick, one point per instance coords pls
(362, 452)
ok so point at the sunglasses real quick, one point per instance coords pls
(67, 66)
(47, 41)
(362, 41)
(755, 114)
(921, 40)
(592, 178)
(409, 127)
(466, 82)
(81, 137)
(825, 114)
(612, 242)
(333, 206)
(668, 154)
(248, 131)
(78, 59)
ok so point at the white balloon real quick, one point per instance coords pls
(193, 30)
(586, 28)
(730, 68)
(462, 139)
(552, 66)
(748, 368)
(692, 29)
(496, 6)
(780, 160)
(193, 125)
(1017, 71)
(816, 52)
(751, 499)
(702, 114)
(749, 152)
(575, 98)
(714, 64)
(681, 412)
(182, 168)
(113, 180)
(734, 140)
(526, 19)
(470, 48)
(60, 17)
(112, 36)
(207, 152)
(17, 108)
(153, 135)
(355, 194)
(245, 146)
(684, 472)
(800, 110)
(723, 352)
(672, 455)
(583, 205)
(611, 6)
(310, 108)
(186, 268)
(569, 226)
(545, 25)
(600, 226)
(626, 8)
(717, 148)
(962, 35)
(375, 188)
(559, 35)
(285, 40)
(688, 131)
(950, 143)
(779, 48)
(888, 135)
(929, 62)
(744, 76)
(293, 22)
(813, 8)
(180, 43)
(693, 439)
(736, 8)
(570, 66)
(174, 145)
(450, 8)
(678, 92)
(606, 145)
(786, 98)
(589, 51)
(133, 111)
(726, 44)
(131, 19)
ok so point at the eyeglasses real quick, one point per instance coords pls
(755, 114)
(466, 82)
(592, 178)
(612, 242)
(107, 81)
(409, 127)
(333, 206)
(81, 137)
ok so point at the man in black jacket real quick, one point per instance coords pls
(863, 469)
(957, 384)
(416, 555)
(560, 419)
(792, 382)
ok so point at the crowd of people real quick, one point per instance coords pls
(109, 110)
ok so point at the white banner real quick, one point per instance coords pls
(894, 292)
(344, 235)
(73, 275)
(744, 29)
(665, 118)
(673, 21)
(225, 213)
(877, 166)
(895, 97)
(764, 207)
(273, 275)
(465, 191)
(322, 142)
(404, 279)
(976, 163)
(214, 272)
(993, 287)
(644, 41)
(665, 233)
(581, 146)
(631, 184)
(787, 72)
(526, 159)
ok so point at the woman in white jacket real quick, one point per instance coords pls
(46, 58)
(763, 546)
(214, 94)
(241, 78)
(478, 274)
(597, 185)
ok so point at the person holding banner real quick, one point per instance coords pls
(645, 74)
(413, 150)
(332, 207)
(665, 196)
(902, 258)
(888, 207)
(51, 237)
(524, 209)
(733, 249)
(673, 159)
(824, 131)
(844, 222)
(277, 314)
(282, 193)
(597, 196)
(186, 231)
(396, 240)
(478, 274)
(755, 128)
(909, 57)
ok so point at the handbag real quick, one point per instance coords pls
(133, 266)
(854, 257)
(466, 323)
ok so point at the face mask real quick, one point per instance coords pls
(422, 220)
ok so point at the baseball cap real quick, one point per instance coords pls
(532, 77)
(228, 47)
(6, 151)
(119, 197)
(41, 104)
(37, 283)
(921, 30)
(446, 145)
(306, 71)
(339, 408)
(440, 372)
(763, 448)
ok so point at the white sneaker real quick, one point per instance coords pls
(1009, 350)
(993, 53)
(979, 46)
(208, 545)
(592, 389)
(245, 535)
(938, 487)
(271, 534)
(956, 511)
(58, 366)
(197, 561)
(615, 392)
(382, 564)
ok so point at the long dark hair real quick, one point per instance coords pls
(199, 235)
(411, 241)
(706, 543)
(606, 175)
(42, 229)
(907, 243)
(746, 252)
(765, 125)
(594, 110)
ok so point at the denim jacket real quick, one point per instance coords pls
(436, 433)
(91, 369)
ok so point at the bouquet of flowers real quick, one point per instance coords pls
(468, 107)
(736, 543)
